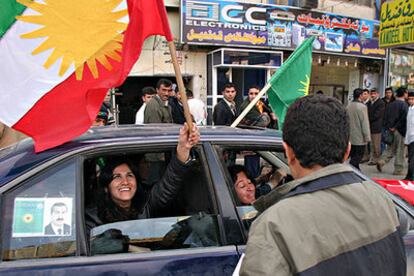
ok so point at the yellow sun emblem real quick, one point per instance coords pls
(28, 218)
(78, 31)
(305, 88)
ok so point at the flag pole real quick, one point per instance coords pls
(181, 87)
(251, 105)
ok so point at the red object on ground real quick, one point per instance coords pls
(402, 188)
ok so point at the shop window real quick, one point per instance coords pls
(38, 218)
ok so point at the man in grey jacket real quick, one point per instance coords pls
(360, 134)
(328, 221)
(158, 110)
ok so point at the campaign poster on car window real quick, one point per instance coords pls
(34, 217)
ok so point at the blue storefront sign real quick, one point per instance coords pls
(217, 22)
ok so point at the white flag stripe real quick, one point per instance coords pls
(23, 79)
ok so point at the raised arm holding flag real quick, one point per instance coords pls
(290, 82)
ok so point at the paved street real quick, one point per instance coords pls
(387, 170)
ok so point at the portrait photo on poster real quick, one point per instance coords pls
(34, 217)
(58, 217)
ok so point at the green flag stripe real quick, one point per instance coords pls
(8, 12)
(303, 47)
(291, 80)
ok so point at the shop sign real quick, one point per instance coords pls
(397, 23)
(258, 25)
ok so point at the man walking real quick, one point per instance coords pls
(328, 221)
(225, 111)
(396, 123)
(360, 135)
(375, 113)
(157, 110)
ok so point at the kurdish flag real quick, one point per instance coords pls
(291, 81)
(60, 57)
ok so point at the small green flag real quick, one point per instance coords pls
(291, 81)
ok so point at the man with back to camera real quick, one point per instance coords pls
(158, 110)
(323, 222)
(148, 93)
(57, 225)
(225, 111)
(360, 134)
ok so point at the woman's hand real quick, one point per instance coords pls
(186, 141)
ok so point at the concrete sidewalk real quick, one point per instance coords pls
(386, 173)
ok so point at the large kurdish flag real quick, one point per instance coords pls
(59, 58)
(291, 81)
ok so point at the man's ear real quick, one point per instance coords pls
(347, 152)
(291, 157)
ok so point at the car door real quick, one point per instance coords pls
(33, 250)
(262, 153)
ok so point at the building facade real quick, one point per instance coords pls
(245, 42)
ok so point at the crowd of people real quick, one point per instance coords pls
(380, 129)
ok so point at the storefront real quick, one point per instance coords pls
(260, 37)
(397, 33)
(401, 70)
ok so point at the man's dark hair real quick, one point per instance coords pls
(389, 88)
(148, 90)
(365, 90)
(401, 91)
(357, 92)
(58, 204)
(235, 169)
(189, 93)
(164, 82)
(373, 90)
(253, 86)
(316, 127)
(229, 85)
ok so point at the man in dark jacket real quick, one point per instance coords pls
(260, 115)
(395, 120)
(328, 221)
(226, 111)
(375, 113)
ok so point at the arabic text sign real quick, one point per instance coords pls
(248, 24)
(397, 23)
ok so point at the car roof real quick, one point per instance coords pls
(20, 157)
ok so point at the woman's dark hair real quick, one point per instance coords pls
(235, 169)
(316, 127)
(108, 211)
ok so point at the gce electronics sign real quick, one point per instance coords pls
(247, 24)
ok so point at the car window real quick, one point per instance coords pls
(157, 217)
(38, 217)
(262, 171)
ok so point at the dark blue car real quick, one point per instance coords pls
(204, 231)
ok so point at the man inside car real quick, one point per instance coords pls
(328, 221)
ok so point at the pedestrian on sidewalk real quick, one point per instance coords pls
(396, 123)
(360, 134)
(409, 137)
(375, 113)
